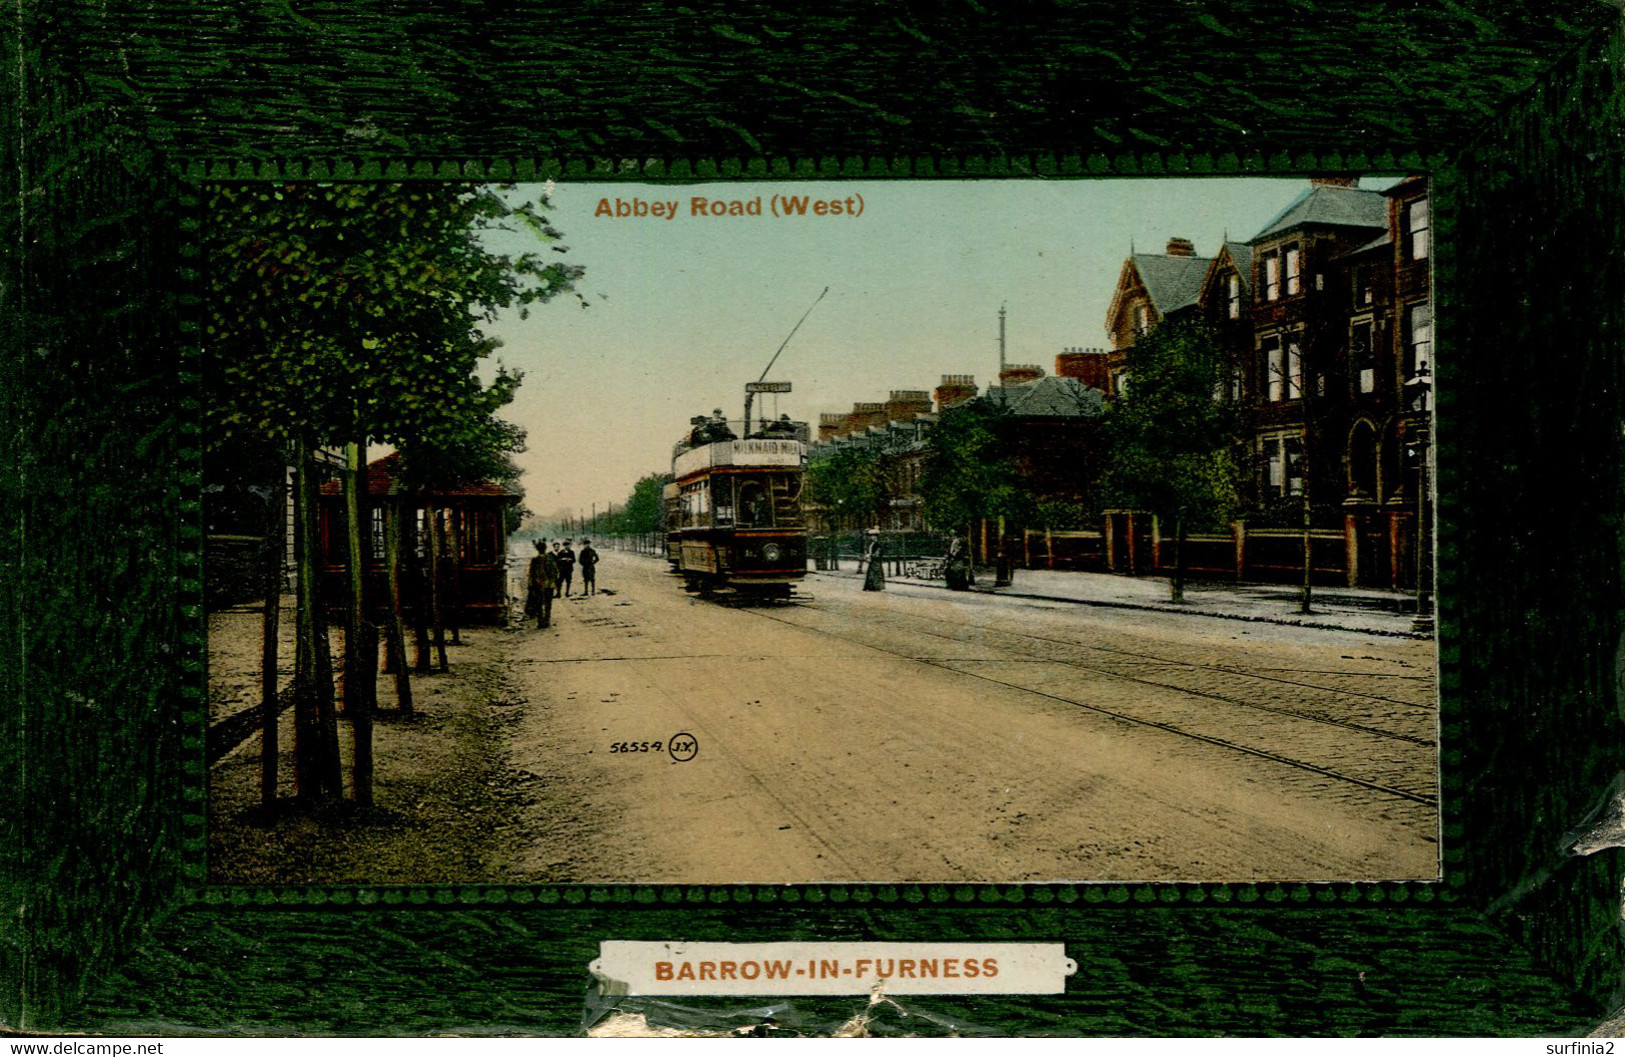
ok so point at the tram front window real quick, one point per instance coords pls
(755, 511)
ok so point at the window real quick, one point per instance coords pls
(1416, 229)
(1142, 318)
(1364, 289)
(1294, 271)
(1119, 381)
(1272, 276)
(1236, 374)
(1418, 339)
(1362, 357)
(1273, 370)
(1282, 363)
(1362, 459)
(1282, 463)
(1232, 295)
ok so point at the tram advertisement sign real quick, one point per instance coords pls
(767, 387)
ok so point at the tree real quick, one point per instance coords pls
(971, 473)
(850, 485)
(344, 314)
(644, 510)
(1170, 438)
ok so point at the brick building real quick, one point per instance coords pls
(1326, 325)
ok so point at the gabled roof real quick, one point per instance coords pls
(383, 473)
(1052, 397)
(1240, 257)
(1332, 206)
(1172, 282)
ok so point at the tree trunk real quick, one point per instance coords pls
(396, 650)
(436, 567)
(1176, 584)
(276, 542)
(411, 540)
(454, 576)
(360, 643)
(316, 757)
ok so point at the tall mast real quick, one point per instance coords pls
(1001, 345)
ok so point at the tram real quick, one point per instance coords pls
(671, 505)
(736, 524)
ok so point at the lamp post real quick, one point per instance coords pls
(1418, 394)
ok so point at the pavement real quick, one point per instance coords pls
(1367, 610)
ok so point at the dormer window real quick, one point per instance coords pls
(1232, 295)
(1416, 229)
(1272, 276)
(1294, 271)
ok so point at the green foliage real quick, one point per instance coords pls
(341, 311)
(644, 510)
(850, 486)
(1169, 441)
(970, 470)
(1064, 514)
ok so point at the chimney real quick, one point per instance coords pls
(831, 424)
(1020, 374)
(904, 404)
(864, 415)
(955, 389)
(1086, 365)
(1181, 247)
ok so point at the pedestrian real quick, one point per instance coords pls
(874, 576)
(567, 568)
(957, 568)
(588, 560)
(543, 579)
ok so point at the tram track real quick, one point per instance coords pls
(982, 631)
(956, 665)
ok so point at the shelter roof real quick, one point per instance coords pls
(382, 475)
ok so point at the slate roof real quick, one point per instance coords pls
(1241, 255)
(382, 473)
(1385, 239)
(1052, 397)
(1335, 206)
(1172, 282)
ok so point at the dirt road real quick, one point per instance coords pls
(914, 735)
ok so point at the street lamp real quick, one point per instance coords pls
(1418, 393)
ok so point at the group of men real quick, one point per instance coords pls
(552, 573)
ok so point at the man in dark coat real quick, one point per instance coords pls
(588, 560)
(567, 568)
(543, 578)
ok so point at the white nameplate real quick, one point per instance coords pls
(634, 967)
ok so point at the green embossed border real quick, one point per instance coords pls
(1450, 888)
(1523, 106)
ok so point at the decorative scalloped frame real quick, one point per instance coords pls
(1451, 887)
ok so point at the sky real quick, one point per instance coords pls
(684, 310)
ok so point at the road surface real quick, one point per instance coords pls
(915, 735)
